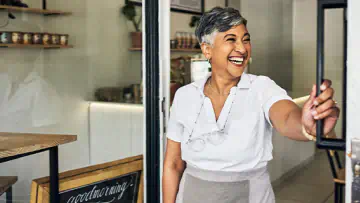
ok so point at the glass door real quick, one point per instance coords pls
(71, 80)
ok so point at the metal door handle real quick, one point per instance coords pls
(321, 142)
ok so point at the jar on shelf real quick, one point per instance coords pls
(178, 37)
(55, 39)
(37, 38)
(64, 39)
(173, 44)
(194, 41)
(16, 37)
(46, 39)
(188, 40)
(27, 38)
(5, 37)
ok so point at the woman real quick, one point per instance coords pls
(220, 128)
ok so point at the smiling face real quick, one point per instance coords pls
(230, 52)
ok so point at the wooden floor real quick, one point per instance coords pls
(312, 185)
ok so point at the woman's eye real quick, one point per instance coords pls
(231, 39)
(246, 40)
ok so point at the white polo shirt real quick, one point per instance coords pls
(248, 143)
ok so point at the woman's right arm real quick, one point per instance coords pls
(174, 167)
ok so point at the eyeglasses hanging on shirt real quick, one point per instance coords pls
(198, 144)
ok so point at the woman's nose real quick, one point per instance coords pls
(240, 47)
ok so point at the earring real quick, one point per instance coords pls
(250, 60)
(209, 60)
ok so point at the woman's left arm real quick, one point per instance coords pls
(289, 119)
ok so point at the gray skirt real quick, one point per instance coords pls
(199, 186)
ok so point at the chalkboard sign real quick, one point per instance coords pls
(122, 189)
(112, 182)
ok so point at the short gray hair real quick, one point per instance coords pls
(217, 20)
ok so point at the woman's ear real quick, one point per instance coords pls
(206, 50)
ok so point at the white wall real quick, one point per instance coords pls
(270, 27)
(353, 86)
(304, 46)
(101, 35)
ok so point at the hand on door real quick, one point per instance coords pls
(321, 107)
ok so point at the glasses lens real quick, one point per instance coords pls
(216, 138)
(197, 145)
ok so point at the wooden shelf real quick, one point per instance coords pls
(41, 46)
(12, 144)
(34, 10)
(173, 50)
(6, 182)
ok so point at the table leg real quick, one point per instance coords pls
(9, 195)
(54, 175)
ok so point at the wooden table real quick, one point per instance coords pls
(6, 183)
(17, 145)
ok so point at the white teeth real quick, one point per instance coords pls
(236, 60)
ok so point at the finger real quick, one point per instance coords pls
(326, 84)
(323, 107)
(313, 92)
(309, 103)
(327, 94)
(333, 112)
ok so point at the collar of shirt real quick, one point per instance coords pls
(244, 82)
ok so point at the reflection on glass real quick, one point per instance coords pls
(74, 73)
(334, 57)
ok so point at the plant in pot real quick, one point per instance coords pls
(129, 12)
(194, 23)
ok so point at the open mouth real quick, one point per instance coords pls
(237, 60)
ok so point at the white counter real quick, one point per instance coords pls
(116, 131)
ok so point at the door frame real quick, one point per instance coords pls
(156, 69)
(151, 79)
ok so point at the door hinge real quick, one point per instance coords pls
(163, 114)
(163, 105)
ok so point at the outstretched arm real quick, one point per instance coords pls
(289, 119)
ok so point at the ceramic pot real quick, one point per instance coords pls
(46, 39)
(64, 39)
(27, 38)
(37, 38)
(5, 37)
(16, 37)
(173, 44)
(55, 39)
(136, 39)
